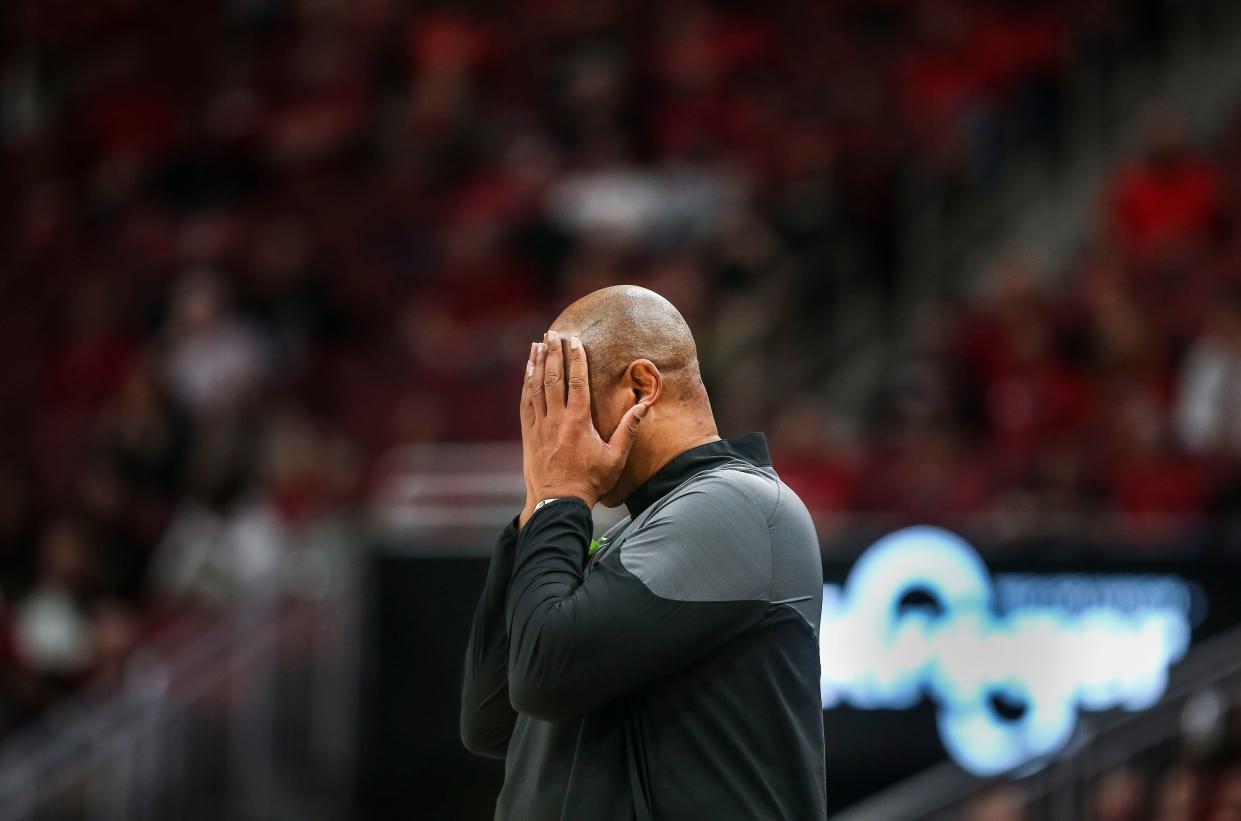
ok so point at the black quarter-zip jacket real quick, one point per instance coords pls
(670, 673)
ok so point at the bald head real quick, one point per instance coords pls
(625, 323)
(639, 349)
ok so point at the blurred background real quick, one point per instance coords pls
(270, 270)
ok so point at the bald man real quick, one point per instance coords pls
(670, 669)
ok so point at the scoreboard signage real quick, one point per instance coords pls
(1008, 659)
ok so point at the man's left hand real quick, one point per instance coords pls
(565, 455)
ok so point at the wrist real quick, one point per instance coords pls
(526, 512)
(583, 495)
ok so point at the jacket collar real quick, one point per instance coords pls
(750, 448)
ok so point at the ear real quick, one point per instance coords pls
(645, 381)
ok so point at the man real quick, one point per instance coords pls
(670, 669)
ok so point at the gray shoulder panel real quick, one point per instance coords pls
(735, 533)
(797, 564)
(710, 541)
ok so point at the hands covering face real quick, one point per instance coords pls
(563, 454)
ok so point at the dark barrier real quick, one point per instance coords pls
(419, 611)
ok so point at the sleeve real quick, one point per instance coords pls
(695, 575)
(487, 717)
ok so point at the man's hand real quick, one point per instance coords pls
(562, 452)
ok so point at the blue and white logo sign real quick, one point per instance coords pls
(1009, 661)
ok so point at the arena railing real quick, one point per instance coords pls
(252, 716)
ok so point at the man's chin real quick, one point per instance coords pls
(612, 500)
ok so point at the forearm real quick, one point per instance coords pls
(576, 642)
(544, 629)
(487, 716)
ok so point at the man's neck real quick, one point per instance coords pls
(665, 452)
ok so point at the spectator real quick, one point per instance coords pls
(1209, 411)
(1226, 802)
(1168, 200)
(214, 361)
(52, 623)
(1118, 796)
(222, 539)
(1180, 794)
(999, 803)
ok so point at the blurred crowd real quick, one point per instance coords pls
(1103, 404)
(251, 244)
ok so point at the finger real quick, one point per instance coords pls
(527, 406)
(579, 378)
(627, 431)
(534, 382)
(553, 375)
